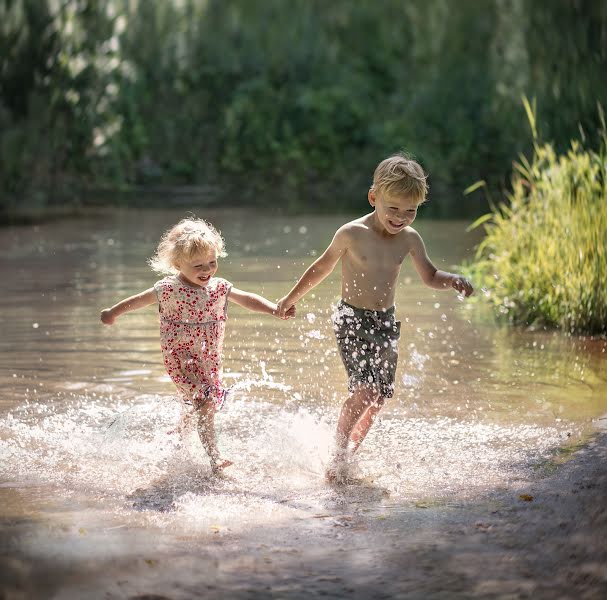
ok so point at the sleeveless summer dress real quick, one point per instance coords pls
(192, 328)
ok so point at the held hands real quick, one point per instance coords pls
(284, 309)
(290, 312)
(107, 316)
(283, 313)
(462, 285)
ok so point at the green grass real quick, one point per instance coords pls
(544, 258)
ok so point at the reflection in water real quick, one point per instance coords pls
(86, 409)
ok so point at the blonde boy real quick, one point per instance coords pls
(372, 249)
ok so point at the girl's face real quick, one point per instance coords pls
(199, 268)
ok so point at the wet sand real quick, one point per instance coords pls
(539, 538)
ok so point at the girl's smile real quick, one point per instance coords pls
(199, 268)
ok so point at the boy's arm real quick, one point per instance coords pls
(316, 272)
(257, 303)
(109, 315)
(430, 275)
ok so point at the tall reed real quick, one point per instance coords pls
(544, 258)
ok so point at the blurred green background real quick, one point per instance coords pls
(286, 104)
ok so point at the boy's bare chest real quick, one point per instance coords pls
(386, 256)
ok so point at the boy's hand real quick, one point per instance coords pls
(286, 314)
(107, 316)
(462, 285)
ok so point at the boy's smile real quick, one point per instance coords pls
(395, 224)
(392, 213)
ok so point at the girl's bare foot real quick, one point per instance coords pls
(221, 464)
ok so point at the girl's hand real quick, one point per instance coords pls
(462, 285)
(107, 316)
(290, 312)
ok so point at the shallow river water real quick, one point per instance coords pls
(90, 477)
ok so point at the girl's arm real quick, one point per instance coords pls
(257, 303)
(430, 275)
(109, 315)
(316, 272)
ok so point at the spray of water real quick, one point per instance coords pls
(118, 453)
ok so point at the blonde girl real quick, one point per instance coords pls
(192, 306)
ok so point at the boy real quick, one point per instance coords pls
(372, 249)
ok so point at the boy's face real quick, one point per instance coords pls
(393, 212)
(199, 268)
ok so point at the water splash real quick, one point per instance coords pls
(121, 452)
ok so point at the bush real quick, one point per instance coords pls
(544, 258)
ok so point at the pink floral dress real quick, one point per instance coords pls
(192, 328)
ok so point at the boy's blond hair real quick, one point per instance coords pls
(400, 175)
(184, 240)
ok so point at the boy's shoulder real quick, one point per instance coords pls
(409, 236)
(410, 233)
(362, 225)
(356, 225)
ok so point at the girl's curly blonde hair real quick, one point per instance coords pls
(183, 240)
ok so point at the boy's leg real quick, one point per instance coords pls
(353, 409)
(206, 432)
(356, 405)
(359, 433)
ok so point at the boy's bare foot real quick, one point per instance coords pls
(337, 471)
(330, 475)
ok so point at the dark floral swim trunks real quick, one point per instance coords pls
(368, 343)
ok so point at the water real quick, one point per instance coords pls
(86, 457)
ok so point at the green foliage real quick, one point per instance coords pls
(296, 101)
(544, 258)
(50, 87)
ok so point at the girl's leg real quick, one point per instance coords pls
(184, 424)
(206, 432)
(359, 433)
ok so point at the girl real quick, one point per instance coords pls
(193, 310)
